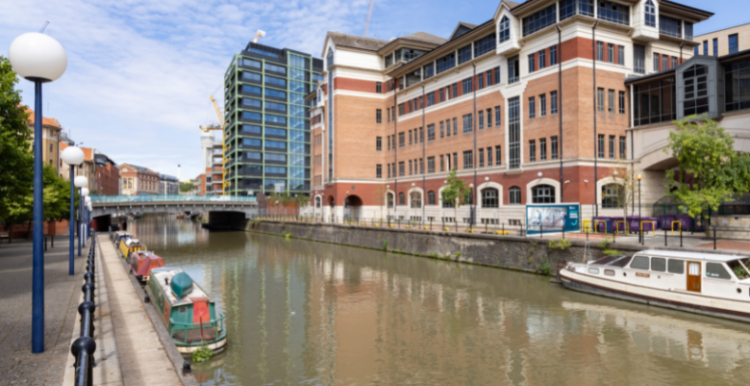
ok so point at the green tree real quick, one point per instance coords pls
(709, 171)
(16, 163)
(623, 195)
(456, 192)
(186, 187)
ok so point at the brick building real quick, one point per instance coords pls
(107, 176)
(51, 130)
(531, 106)
(138, 180)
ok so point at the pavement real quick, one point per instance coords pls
(18, 365)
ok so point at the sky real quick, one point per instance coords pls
(140, 72)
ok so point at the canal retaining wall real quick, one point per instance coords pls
(513, 252)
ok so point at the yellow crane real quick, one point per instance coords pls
(220, 126)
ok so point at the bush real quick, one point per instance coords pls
(561, 244)
(544, 268)
(202, 354)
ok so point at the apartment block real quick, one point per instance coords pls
(723, 42)
(51, 130)
(107, 176)
(533, 106)
(267, 128)
(138, 180)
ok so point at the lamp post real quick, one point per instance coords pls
(86, 218)
(639, 177)
(472, 208)
(72, 156)
(40, 59)
(80, 182)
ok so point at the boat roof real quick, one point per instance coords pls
(161, 273)
(132, 241)
(690, 255)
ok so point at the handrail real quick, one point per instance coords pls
(169, 198)
(84, 347)
(194, 326)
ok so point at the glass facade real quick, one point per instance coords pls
(274, 120)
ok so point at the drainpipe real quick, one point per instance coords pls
(596, 143)
(395, 148)
(424, 157)
(559, 110)
(474, 155)
(681, 45)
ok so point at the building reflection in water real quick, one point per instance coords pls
(311, 313)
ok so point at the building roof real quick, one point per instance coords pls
(462, 28)
(425, 37)
(354, 41)
(88, 153)
(139, 168)
(102, 159)
(45, 121)
(166, 177)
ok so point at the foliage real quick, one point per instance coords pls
(561, 244)
(610, 252)
(202, 354)
(623, 196)
(709, 171)
(16, 163)
(605, 244)
(282, 199)
(301, 200)
(385, 245)
(544, 268)
(186, 187)
(456, 192)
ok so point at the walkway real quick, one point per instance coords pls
(18, 365)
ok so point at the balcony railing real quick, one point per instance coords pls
(166, 198)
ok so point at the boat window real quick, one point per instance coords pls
(621, 262)
(658, 264)
(609, 272)
(738, 269)
(639, 262)
(717, 270)
(676, 266)
(595, 271)
(182, 310)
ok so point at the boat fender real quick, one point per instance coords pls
(185, 367)
(147, 299)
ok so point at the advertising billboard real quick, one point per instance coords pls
(553, 218)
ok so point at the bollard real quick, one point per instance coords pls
(665, 237)
(680, 237)
(714, 238)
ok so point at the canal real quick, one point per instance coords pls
(306, 313)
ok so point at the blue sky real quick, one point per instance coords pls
(140, 71)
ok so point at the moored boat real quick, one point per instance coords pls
(702, 283)
(130, 245)
(187, 310)
(118, 236)
(142, 262)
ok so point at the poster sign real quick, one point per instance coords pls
(553, 218)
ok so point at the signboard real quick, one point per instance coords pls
(553, 218)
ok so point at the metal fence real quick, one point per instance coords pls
(84, 347)
(170, 198)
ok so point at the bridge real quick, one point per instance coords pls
(106, 206)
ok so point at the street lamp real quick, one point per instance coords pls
(86, 217)
(80, 182)
(40, 59)
(639, 177)
(73, 156)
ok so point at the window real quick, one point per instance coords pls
(612, 146)
(569, 8)
(674, 62)
(411, 137)
(717, 270)
(553, 102)
(688, 27)
(379, 87)
(431, 165)
(664, 62)
(468, 159)
(489, 156)
(621, 101)
(514, 195)
(442, 163)
(378, 116)
(531, 63)
(542, 59)
(466, 86)
(554, 147)
(379, 171)
(614, 12)
(705, 47)
(639, 58)
(656, 62)
(379, 143)
(670, 26)
(411, 167)
(540, 20)
(498, 157)
(484, 45)
(621, 55)
(695, 50)
(430, 99)
(489, 118)
(600, 99)
(401, 137)
(676, 266)
(401, 199)
(275, 93)
(442, 129)
(650, 14)
(532, 150)
(532, 108)
(455, 126)
(542, 105)
(480, 81)
(612, 197)
(415, 198)
(543, 149)
(623, 148)
(640, 262)
(696, 92)
(734, 44)
(611, 53)
(611, 105)
(737, 89)
(481, 158)
(553, 55)
(467, 123)
(504, 29)
(401, 169)
(431, 198)
(464, 54)
(497, 75)
(490, 198)
(716, 47)
(455, 90)
(600, 144)
(446, 62)
(480, 119)
(250, 76)
(513, 70)
(600, 51)
(431, 132)
(497, 115)
(514, 132)
(543, 194)
(654, 102)
(274, 81)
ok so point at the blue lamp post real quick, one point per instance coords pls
(87, 217)
(72, 156)
(40, 59)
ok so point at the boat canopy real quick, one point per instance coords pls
(181, 284)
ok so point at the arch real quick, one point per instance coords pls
(431, 198)
(440, 198)
(415, 199)
(318, 201)
(650, 14)
(353, 200)
(514, 195)
(390, 199)
(600, 187)
(542, 181)
(415, 191)
(503, 29)
(493, 185)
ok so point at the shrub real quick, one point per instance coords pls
(561, 244)
(202, 354)
(544, 268)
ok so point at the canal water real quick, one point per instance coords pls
(306, 313)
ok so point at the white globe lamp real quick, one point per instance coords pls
(81, 182)
(72, 156)
(84, 192)
(37, 57)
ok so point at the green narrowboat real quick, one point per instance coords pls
(187, 310)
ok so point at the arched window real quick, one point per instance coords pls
(401, 199)
(489, 198)
(543, 194)
(612, 196)
(430, 198)
(416, 199)
(504, 30)
(389, 199)
(318, 202)
(650, 14)
(514, 195)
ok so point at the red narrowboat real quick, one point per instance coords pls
(141, 263)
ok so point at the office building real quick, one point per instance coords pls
(723, 42)
(107, 176)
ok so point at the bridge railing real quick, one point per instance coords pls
(169, 198)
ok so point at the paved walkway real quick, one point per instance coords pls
(18, 366)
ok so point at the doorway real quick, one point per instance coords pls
(694, 276)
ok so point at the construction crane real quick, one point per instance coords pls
(258, 34)
(369, 13)
(220, 126)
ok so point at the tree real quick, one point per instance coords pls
(16, 163)
(456, 192)
(709, 171)
(186, 187)
(623, 196)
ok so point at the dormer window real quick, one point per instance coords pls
(650, 14)
(504, 31)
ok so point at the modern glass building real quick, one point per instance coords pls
(267, 124)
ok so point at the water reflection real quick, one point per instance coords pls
(319, 314)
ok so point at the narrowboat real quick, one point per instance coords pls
(702, 283)
(128, 246)
(118, 236)
(142, 262)
(187, 310)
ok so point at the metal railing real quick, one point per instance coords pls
(168, 198)
(84, 347)
(185, 327)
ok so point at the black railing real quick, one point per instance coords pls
(84, 347)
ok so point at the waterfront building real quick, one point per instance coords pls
(138, 180)
(168, 184)
(534, 105)
(202, 184)
(724, 41)
(107, 176)
(212, 162)
(87, 168)
(267, 120)
(51, 130)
